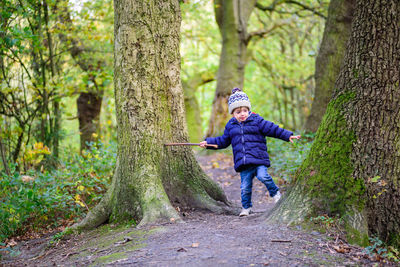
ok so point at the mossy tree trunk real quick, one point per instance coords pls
(330, 58)
(232, 17)
(192, 107)
(353, 169)
(150, 177)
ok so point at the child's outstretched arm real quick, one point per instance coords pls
(294, 137)
(221, 141)
(268, 128)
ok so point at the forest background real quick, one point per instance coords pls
(58, 126)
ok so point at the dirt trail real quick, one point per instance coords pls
(205, 239)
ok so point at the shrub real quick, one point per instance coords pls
(37, 200)
(286, 158)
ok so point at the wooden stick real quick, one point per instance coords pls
(281, 241)
(189, 144)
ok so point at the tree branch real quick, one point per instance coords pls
(263, 32)
(305, 7)
(269, 8)
(273, 6)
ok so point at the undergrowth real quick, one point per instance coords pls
(40, 199)
(286, 157)
(377, 250)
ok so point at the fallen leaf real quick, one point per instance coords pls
(341, 249)
(215, 165)
(11, 243)
(195, 245)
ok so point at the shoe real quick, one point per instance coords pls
(277, 197)
(245, 212)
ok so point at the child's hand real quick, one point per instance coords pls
(294, 137)
(203, 144)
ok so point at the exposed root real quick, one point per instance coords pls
(156, 209)
(204, 201)
(295, 207)
(291, 209)
(96, 216)
(155, 215)
(215, 191)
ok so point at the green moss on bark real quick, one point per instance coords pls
(328, 169)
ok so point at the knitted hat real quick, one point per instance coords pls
(238, 99)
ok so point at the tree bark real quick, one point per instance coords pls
(330, 57)
(3, 155)
(89, 107)
(192, 107)
(149, 176)
(232, 17)
(352, 169)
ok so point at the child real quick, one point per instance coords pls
(246, 131)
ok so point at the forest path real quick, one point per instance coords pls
(205, 239)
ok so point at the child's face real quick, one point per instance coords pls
(241, 114)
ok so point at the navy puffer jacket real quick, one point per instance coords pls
(248, 140)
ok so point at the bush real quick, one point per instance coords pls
(286, 158)
(37, 200)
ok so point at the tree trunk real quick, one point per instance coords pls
(55, 121)
(88, 103)
(89, 106)
(232, 17)
(330, 57)
(353, 166)
(149, 176)
(3, 154)
(192, 107)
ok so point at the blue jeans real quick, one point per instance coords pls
(247, 175)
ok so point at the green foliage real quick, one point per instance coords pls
(377, 249)
(280, 65)
(286, 158)
(39, 71)
(327, 224)
(324, 220)
(39, 200)
(60, 235)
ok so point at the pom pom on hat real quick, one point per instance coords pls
(238, 99)
(234, 90)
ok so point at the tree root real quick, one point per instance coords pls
(291, 209)
(295, 207)
(96, 216)
(204, 201)
(155, 207)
